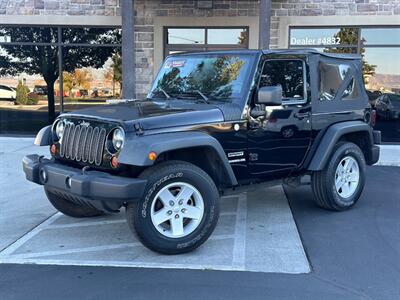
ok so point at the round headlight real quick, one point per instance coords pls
(118, 138)
(60, 126)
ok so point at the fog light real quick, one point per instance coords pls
(114, 162)
(43, 175)
(68, 182)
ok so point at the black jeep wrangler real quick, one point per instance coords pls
(212, 121)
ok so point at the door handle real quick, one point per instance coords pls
(302, 115)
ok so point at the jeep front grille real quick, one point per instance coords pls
(83, 143)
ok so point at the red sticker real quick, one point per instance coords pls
(175, 64)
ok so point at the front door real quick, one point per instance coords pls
(278, 141)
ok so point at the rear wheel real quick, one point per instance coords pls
(70, 208)
(339, 186)
(179, 209)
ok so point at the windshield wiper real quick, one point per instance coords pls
(165, 93)
(203, 97)
(161, 90)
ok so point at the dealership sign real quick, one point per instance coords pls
(307, 41)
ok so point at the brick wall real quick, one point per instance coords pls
(60, 7)
(146, 10)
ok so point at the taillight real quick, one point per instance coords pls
(272, 120)
(372, 120)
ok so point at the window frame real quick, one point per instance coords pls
(290, 101)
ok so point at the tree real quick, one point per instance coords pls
(79, 78)
(349, 36)
(114, 72)
(22, 93)
(43, 60)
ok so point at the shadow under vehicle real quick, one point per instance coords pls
(212, 122)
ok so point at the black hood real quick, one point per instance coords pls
(153, 114)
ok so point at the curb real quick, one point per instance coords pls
(389, 156)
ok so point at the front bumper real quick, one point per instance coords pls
(100, 189)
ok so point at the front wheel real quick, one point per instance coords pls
(179, 209)
(339, 186)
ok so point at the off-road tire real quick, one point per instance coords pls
(70, 208)
(159, 176)
(323, 182)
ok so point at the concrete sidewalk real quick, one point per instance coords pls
(390, 155)
(256, 230)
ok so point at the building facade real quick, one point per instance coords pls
(83, 38)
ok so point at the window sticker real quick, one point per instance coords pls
(175, 64)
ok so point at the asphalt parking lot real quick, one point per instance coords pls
(354, 255)
(256, 230)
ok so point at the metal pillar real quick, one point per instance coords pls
(60, 70)
(264, 24)
(128, 49)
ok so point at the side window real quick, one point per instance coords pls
(350, 92)
(288, 73)
(331, 77)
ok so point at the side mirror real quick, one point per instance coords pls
(270, 95)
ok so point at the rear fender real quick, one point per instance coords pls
(332, 136)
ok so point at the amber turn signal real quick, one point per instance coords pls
(114, 162)
(53, 149)
(152, 156)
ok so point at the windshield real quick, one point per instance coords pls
(205, 77)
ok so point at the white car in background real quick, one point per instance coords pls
(7, 93)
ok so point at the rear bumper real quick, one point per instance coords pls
(101, 189)
(375, 150)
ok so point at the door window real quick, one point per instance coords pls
(289, 74)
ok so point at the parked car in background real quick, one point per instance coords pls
(372, 96)
(388, 106)
(40, 90)
(7, 93)
(83, 93)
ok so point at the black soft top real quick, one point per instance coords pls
(312, 51)
(277, 51)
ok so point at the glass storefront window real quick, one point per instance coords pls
(27, 94)
(186, 36)
(17, 34)
(32, 88)
(90, 35)
(381, 36)
(94, 84)
(227, 36)
(180, 40)
(323, 37)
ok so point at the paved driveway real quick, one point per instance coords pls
(256, 230)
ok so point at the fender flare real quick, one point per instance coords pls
(331, 137)
(136, 148)
(43, 137)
